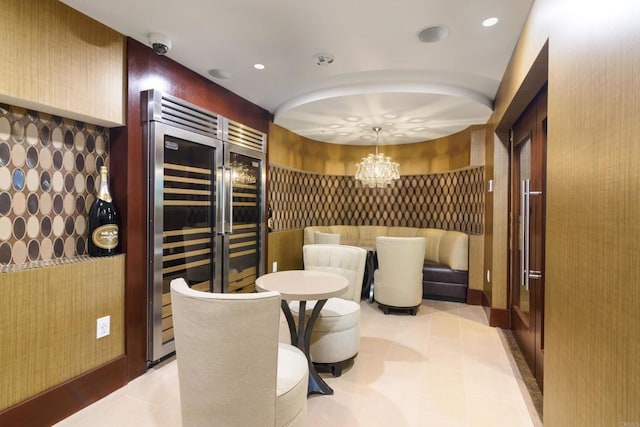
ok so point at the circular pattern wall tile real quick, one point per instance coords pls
(100, 145)
(58, 247)
(46, 249)
(33, 249)
(57, 160)
(17, 131)
(57, 182)
(5, 129)
(58, 226)
(69, 226)
(68, 161)
(19, 252)
(33, 227)
(81, 225)
(19, 228)
(32, 203)
(5, 178)
(45, 226)
(46, 159)
(80, 204)
(69, 247)
(79, 162)
(5, 253)
(69, 182)
(45, 136)
(68, 139)
(90, 163)
(19, 203)
(91, 143)
(33, 180)
(45, 181)
(18, 155)
(80, 141)
(5, 228)
(79, 183)
(5, 154)
(32, 134)
(57, 138)
(5, 203)
(45, 203)
(69, 204)
(80, 245)
(58, 202)
(18, 179)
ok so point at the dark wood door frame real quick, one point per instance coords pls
(529, 131)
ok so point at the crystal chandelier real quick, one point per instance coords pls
(377, 170)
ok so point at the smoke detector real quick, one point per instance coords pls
(323, 59)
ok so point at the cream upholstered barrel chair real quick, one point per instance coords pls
(398, 279)
(335, 338)
(232, 371)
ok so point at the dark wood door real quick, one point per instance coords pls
(528, 193)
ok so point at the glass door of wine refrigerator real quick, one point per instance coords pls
(185, 233)
(244, 233)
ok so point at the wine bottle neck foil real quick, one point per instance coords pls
(103, 192)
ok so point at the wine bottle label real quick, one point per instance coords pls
(106, 236)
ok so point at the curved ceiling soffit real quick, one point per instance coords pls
(380, 88)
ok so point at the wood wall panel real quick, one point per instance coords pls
(58, 61)
(48, 324)
(592, 374)
(285, 247)
(593, 266)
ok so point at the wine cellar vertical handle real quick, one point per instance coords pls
(230, 199)
(220, 220)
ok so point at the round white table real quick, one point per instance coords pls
(303, 286)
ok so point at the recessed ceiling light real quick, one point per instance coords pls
(390, 116)
(258, 66)
(343, 133)
(220, 74)
(418, 129)
(433, 34)
(417, 120)
(352, 119)
(490, 22)
(334, 126)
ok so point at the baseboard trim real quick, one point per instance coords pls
(475, 297)
(57, 403)
(499, 318)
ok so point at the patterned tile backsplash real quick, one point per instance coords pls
(49, 172)
(450, 201)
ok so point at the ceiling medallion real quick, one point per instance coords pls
(377, 170)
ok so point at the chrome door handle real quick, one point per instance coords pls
(535, 274)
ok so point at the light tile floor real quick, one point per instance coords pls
(443, 367)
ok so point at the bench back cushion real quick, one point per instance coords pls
(454, 250)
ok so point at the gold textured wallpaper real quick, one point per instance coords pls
(450, 201)
(48, 176)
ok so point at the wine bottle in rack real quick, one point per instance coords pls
(104, 233)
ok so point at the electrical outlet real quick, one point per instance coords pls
(275, 266)
(103, 327)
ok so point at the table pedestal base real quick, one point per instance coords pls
(302, 339)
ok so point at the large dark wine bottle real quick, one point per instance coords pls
(104, 233)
